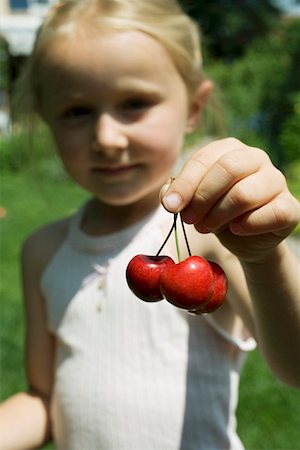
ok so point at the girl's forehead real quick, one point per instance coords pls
(111, 62)
(70, 37)
(113, 51)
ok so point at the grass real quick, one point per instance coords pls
(268, 413)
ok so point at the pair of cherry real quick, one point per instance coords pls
(194, 284)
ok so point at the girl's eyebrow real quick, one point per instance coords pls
(136, 84)
(122, 88)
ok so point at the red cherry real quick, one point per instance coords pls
(143, 276)
(188, 284)
(219, 292)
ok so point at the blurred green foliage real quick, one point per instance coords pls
(230, 26)
(4, 65)
(289, 138)
(34, 151)
(261, 93)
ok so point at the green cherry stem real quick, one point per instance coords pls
(176, 239)
(185, 237)
(174, 227)
(169, 234)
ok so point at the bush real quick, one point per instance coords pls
(25, 150)
(261, 92)
(290, 130)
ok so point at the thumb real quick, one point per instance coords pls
(170, 199)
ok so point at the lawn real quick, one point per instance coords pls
(268, 414)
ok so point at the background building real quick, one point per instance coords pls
(19, 21)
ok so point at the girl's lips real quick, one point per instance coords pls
(114, 170)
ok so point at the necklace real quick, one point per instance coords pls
(101, 272)
(98, 278)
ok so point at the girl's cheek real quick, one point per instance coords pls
(161, 139)
(67, 143)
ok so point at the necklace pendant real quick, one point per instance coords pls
(101, 283)
(102, 273)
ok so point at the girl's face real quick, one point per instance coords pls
(118, 110)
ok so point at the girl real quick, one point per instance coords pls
(119, 83)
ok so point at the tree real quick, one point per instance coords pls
(230, 26)
(261, 91)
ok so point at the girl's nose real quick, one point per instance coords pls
(109, 134)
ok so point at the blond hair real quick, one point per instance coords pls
(163, 20)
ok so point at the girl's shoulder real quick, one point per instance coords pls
(41, 245)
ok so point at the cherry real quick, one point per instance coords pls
(195, 284)
(143, 276)
(188, 284)
(219, 290)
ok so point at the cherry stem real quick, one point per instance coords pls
(176, 239)
(174, 227)
(185, 237)
(169, 234)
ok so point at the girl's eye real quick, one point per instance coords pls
(135, 105)
(77, 112)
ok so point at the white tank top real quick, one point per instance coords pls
(131, 375)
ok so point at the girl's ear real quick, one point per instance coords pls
(198, 104)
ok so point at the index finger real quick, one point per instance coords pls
(180, 192)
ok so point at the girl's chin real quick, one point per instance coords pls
(129, 199)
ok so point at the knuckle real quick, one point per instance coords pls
(183, 185)
(202, 197)
(200, 162)
(231, 163)
(280, 177)
(232, 142)
(264, 156)
(261, 156)
(285, 213)
(187, 181)
(240, 195)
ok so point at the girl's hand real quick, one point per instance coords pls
(234, 191)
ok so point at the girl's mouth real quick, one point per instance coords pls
(114, 171)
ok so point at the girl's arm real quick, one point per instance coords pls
(236, 193)
(24, 418)
(266, 295)
(274, 286)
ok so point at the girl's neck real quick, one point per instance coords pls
(100, 218)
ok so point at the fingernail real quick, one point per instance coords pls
(236, 228)
(172, 202)
(203, 229)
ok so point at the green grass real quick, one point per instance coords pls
(268, 414)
